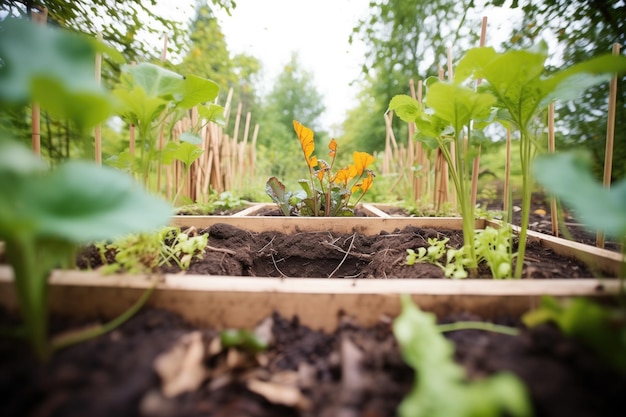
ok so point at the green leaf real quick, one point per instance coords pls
(137, 108)
(406, 107)
(602, 328)
(155, 80)
(82, 202)
(196, 91)
(278, 193)
(442, 388)
(185, 152)
(568, 84)
(457, 104)
(54, 68)
(568, 176)
(212, 113)
(190, 138)
(85, 108)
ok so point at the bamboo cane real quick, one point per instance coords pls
(98, 128)
(40, 18)
(551, 148)
(610, 138)
(507, 174)
(161, 144)
(476, 161)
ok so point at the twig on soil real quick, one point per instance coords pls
(345, 256)
(230, 252)
(278, 269)
(268, 244)
(355, 254)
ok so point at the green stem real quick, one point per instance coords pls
(478, 325)
(30, 280)
(75, 338)
(525, 155)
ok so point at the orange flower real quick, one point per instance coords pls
(306, 142)
(333, 148)
(344, 175)
(361, 161)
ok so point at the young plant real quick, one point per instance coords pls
(491, 245)
(146, 252)
(442, 389)
(326, 193)
(45, 214)
(523, 88)
(153, 99)
(449, 122)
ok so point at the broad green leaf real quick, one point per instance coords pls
(406, 107)
(82, 202)
(190, 138)
(568, 84)
(442, 388)
(600, 327)
(85, 108)
(457, 104)
(137, 108)
(568, 177)
(183, 151)
(278, 193)
(155, 80)
(513, 76)
(54, 68)
(212, 113)
(197, 91)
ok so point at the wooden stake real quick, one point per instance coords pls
(507, 174)
(98, 128)
(476, 162)
(610, 137)
(551, 148)
(40, 18)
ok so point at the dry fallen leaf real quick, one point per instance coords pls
(181, 368)
(279, 393)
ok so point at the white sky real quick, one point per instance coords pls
(318, 30)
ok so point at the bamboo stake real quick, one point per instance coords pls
(507, 174)
(41, 19)
(98, 128)
(476, 162)
(131, 133)
(610, 138)
(252, 151)
(551, 148)
(161, 144)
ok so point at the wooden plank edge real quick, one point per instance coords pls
(241, 302)
(364, 225)
(603, 260)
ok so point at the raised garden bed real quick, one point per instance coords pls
(332, 351)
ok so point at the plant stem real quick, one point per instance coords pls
(525, 156)
(30, 280)
(74, 338)
(478, 325)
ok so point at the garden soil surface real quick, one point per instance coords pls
(157, 365)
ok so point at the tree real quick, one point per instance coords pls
(129, 26)
(293, 97)
(406, 39)
(590, 28)
(208, 57)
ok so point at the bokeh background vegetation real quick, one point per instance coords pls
(405, 40)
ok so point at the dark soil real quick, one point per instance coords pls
(352, 372)
(237, 252)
